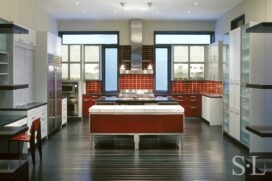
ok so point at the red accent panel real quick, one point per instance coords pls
(125, 123)
(102, 123)
(171, 123)
(149, 124)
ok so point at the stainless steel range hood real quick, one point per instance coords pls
(136, 49)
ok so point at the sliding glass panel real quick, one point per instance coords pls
(92, 53)
(90, 39)
(111, 70)
(64, 53)
(74, 71)
(197, 71)
(64, 71)
(181, 54)
(161, 57)
(91, 71)
(181, 71)
(197, 53)
(75, 53)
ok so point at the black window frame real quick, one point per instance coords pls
(234, 22)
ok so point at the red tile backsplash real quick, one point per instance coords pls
(136, 81)
(196, 87)
(94, 87)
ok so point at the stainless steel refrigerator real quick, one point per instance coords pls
(54, 93)
(48, 77)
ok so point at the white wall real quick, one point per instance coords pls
(254, 10)
(124, 27)
(28, 14)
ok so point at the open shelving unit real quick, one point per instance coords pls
(4, 67)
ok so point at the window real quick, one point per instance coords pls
(91, 39)
(82, 54)
(162, 69)
(92, 62)
(188, 38)
(71, 62)
(188, 62)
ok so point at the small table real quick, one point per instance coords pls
(14, 170)
(262, 131)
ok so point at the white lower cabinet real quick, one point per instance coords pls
(212, 110)
(64, 111)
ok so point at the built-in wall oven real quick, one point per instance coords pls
(70, 90)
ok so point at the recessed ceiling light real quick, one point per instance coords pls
(189, 12)
(77, 3)
(195, 3)
(157, 11)
(83, 11)
(115, 11)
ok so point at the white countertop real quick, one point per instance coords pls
(136, 109)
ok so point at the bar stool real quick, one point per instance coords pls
(35, 127)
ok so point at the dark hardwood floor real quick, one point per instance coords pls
(207, 155)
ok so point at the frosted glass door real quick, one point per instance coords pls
(111, 69)
(161, 76)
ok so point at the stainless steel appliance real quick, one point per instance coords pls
(54, 93)
(70, 90)
(136, 93)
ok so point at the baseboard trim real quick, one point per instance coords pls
(238, 143)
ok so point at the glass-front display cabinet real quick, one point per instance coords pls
(245, 75)
(225, 68)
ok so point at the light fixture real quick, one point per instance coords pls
(83, 11)
(122, 67)
(189, 12)
(77, 3)
(115, 11)
(195, 3)
(149, 67)
(158, 12)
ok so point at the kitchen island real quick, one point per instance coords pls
(136, 120)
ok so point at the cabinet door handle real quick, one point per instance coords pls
(193, 96)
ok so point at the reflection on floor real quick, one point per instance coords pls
(207, 155)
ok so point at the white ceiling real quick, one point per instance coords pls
(160, 10)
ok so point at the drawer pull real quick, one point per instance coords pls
(193, 96)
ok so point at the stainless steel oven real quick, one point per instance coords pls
(70, 90)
